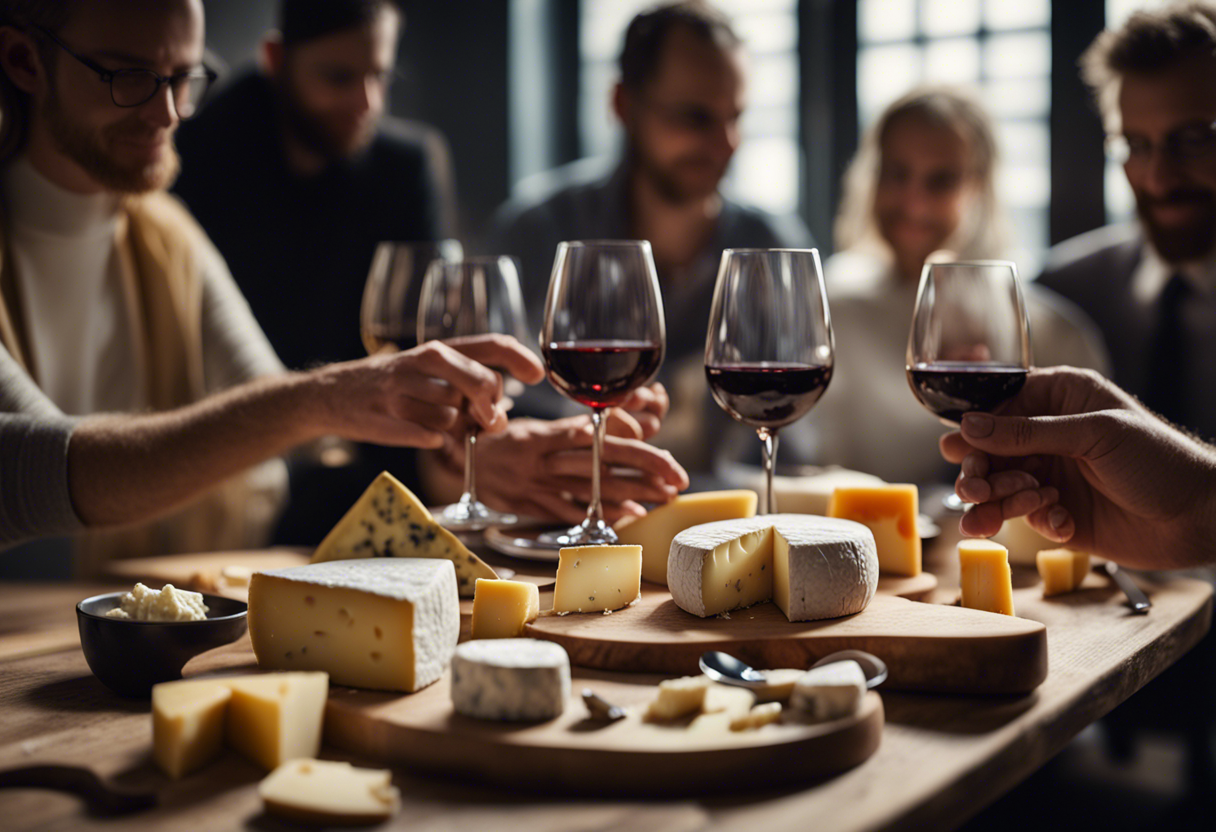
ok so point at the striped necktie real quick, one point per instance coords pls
(1166, 391)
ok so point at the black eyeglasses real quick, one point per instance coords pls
(1188, 144)
(133, 87)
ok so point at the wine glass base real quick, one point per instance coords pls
(584, 534)
(472, 517)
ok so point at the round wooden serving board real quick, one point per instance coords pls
(927, 647)
(575, 755)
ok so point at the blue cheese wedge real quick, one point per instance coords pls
(388, 521)
(510, 679)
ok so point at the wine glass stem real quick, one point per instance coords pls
(595, 511)
(769, 438)
(470, 478)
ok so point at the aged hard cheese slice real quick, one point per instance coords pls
(502, 608)
(985, 577)
(830, 692)
(889, 511)
(597, 578)
(269, 718)
(511, 679)
(324, 792)
(812, 567)
(389, 521)
(388, 624)
(655, 531)
(1062, 570)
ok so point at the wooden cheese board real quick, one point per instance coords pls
(576, 755)
(927, 647)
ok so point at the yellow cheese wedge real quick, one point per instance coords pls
(597, 578)
(330, 793)
(1062, 570)
(389, 521)
(269, 718)
(502, 608)
(677, 698)
(890, 513)
(986, 579)
(656, 530)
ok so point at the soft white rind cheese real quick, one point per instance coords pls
(510, 679)
(383, 623)
(832, 691)
(812, 567)
(168, 604)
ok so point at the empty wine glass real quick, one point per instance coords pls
(473, 296)
(389, 313)
(769, 352)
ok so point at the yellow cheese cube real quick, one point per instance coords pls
(890, 513)
(656, 530)
(597, 578)
(986, 579)
(677, 698)
(329, 793)
(188, 724)
(502, 608)
(1062, 570)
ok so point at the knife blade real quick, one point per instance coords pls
(1136, 598)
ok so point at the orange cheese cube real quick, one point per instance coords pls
(890, 513)
(986, 579)
(502, 608)
(1062, 570)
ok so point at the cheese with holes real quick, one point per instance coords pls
(985, 577)
(388, 521)
(1062, 570)
(597, 578)
(656, 530)
(811, 567)
(510, 679)
(831, 691)
(329, 793)
(889, 511)
(388, 624)
(812, 492)
(502, 608)
(269, 718)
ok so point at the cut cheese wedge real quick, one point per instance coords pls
(985, 577)
(597, 578)
(1062, 570)
(388, 521)
(656, 530)
(811, 567)
(269, 718)
(889, 511)
(502, 608)
(324, 792)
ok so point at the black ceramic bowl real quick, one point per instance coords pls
(129, 657)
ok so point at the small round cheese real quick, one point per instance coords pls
(513, 679)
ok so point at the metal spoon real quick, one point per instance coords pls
(725, 668)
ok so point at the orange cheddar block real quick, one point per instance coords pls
(890, 513)
(1062, 570)
(502, 608)
(986, 579)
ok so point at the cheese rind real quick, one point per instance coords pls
(501, 609)
(510, 679)
(890, 512)
(388, 521)
(1062, 570)
(656, 530)
(831, 691)
(811, 567)
(597, 578)
(387, 624)
(985, 577)
(324, 792)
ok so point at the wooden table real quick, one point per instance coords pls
(942, 758)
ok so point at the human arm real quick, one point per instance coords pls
(1090, 467)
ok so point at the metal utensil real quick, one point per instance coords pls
(725, 668)
(601, 710)
(1136, 599)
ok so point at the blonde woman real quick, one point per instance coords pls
(922, 184)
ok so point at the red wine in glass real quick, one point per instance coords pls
(768, 394)
(951, 388)
(601, 374)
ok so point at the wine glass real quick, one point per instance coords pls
(389, 313)
(769, 352)
(603, 337)
(473, 296)
(969, 346)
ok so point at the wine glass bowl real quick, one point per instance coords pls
(388, 318)
(969, 344)
(769, 352)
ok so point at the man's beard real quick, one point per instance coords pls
(312, 131)
(91, 150)
(1180, 244)
(665, 180)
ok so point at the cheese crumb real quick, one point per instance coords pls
(168, 604)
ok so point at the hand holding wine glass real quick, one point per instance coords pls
(769, 351)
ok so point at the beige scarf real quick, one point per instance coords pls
(156, 240)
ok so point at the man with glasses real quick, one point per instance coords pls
(1151, 288)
